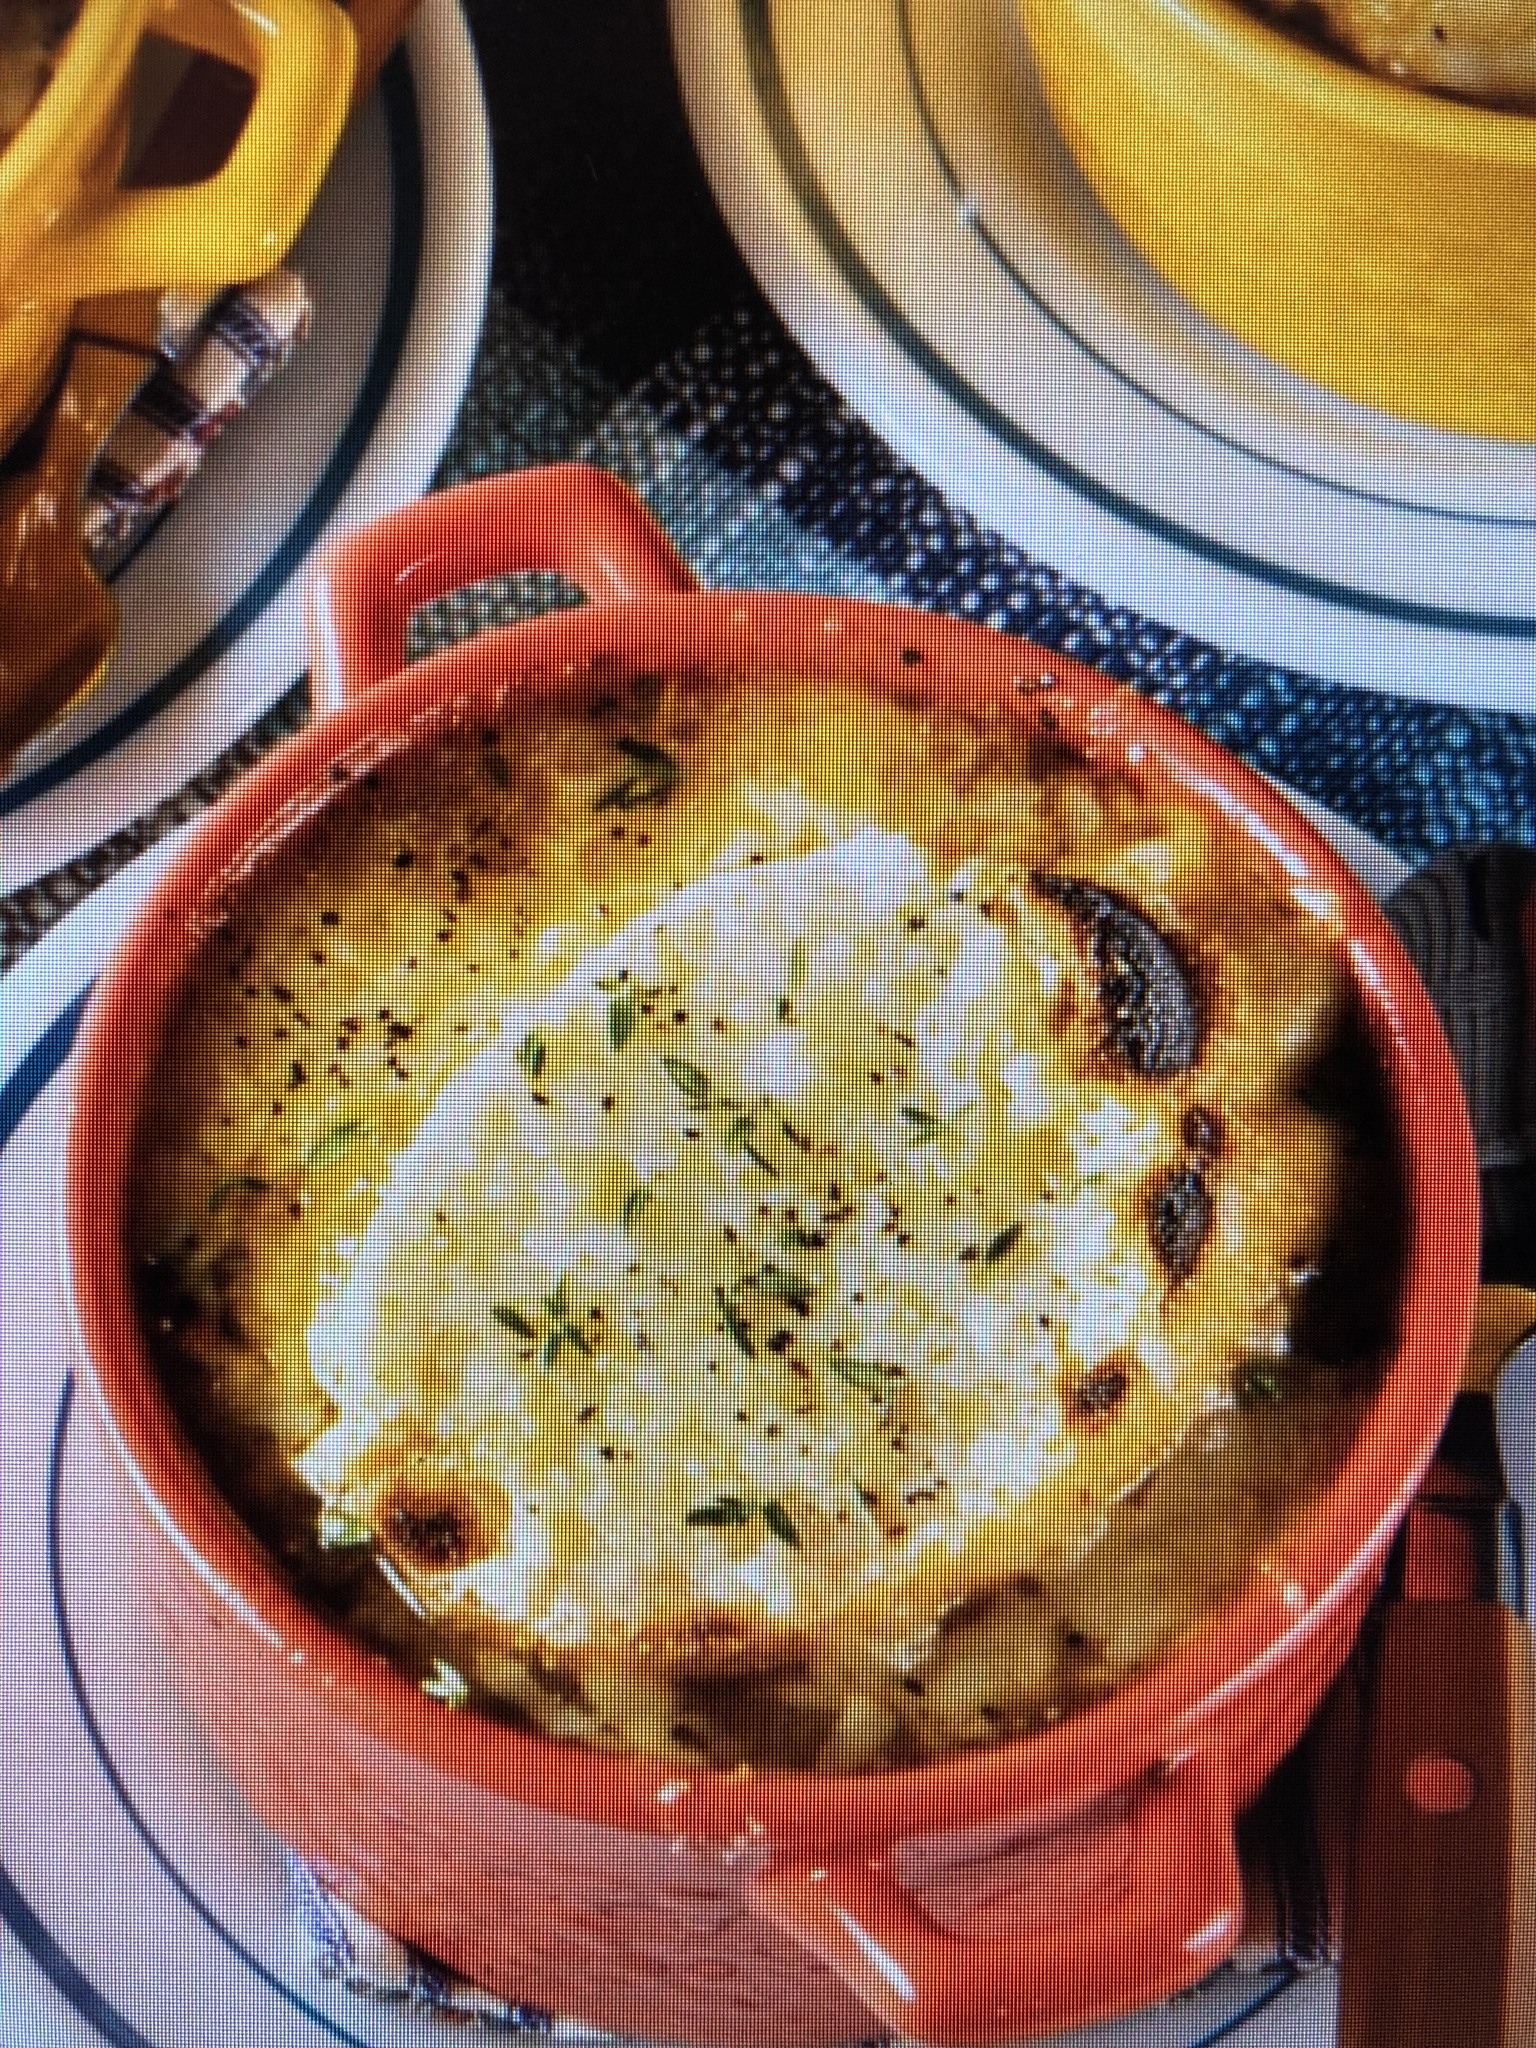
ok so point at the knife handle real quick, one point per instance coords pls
(1440, 1941)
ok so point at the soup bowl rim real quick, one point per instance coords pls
(1146, 1727)
(1259, 49)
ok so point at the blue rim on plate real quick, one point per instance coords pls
(838, 246)
(32, 1074)
(403, 130)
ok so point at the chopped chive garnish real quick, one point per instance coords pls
(793, 980)
(331, 1144)
(234, 1183)
(927, 1123)
(644, 755)
(739, 1135)
(777, 1518)
(1258, 1383)
(623, 795)
(634, 1202)
(446, 1684)
(1003, 1243)
(531, 1055)
(858, 1372)
(692, 1080)
(798, 1240)
(727, 1512)
(652, 782)
(340, 1531)
(780, 1286)
(621, 1020)
(511, 1319)
(735, 1323)
(921, 1122)
(562, 1330)
(775, 1280)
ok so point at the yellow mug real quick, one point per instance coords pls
(1372, 236)
(67, 230)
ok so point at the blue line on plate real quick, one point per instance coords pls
(406, 174)
(1286, 1974)
(794, 161)
(1068, 332)
(65, 1976)
(37, 1068)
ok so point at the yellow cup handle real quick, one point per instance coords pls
(236, 224)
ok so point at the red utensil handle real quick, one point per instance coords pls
(577, 521)
(1173, 1909)
(1440, 1942)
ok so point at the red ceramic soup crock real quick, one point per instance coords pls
(989, 1897)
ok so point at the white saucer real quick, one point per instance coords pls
(892, 175)
(397, 256)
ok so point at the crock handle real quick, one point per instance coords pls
(573, 519)
(1172, 1916)
(241, 220)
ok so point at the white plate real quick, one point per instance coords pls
(138, 1898)
(892, 175)
(397, 254)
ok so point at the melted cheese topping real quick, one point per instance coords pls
(645, 1213)
(744, 1277)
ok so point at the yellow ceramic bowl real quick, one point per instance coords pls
(1372, 236)
(66, 230)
